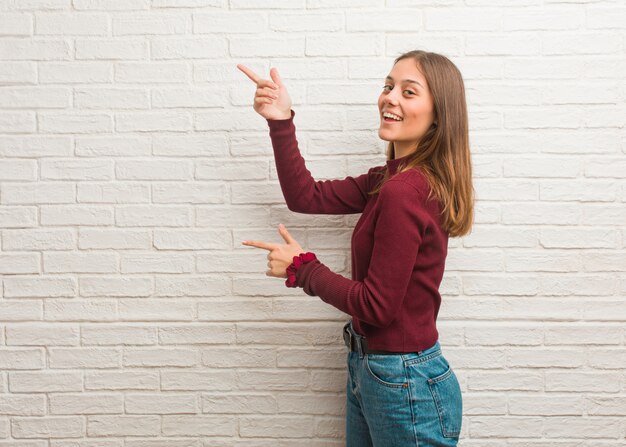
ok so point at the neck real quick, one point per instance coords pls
(403, 151)
(400, 154)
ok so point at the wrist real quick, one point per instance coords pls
(283, 117)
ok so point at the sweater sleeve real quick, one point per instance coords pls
(302, 193)
(399, 231)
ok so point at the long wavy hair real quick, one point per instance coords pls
(443, 153)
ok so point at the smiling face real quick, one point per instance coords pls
(409, 100)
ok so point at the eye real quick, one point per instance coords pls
(387, 85)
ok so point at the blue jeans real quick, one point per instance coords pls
(402, 400)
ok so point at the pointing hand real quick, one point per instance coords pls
(280, 255)
(271, 99)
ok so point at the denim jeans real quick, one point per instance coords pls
(402, 400)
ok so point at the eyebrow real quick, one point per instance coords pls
(407, 80)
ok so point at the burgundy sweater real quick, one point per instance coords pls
(398, 246)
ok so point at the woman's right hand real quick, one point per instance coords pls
(271, 99)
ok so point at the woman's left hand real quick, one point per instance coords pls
(280, 256)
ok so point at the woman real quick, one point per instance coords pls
(401, 390)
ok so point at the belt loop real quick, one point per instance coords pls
(362, 345)
(353, 340)
(359, 342)
(347, 336)
(359, 345)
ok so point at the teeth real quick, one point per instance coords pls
(391, 115)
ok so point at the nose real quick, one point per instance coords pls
(390, 98)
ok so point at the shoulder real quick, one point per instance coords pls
(416, 178)
(412, 178)
(375, 175)
(404, 203)
(411, 182)
(399, 190)
(377, 171)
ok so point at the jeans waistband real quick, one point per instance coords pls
(358, 343)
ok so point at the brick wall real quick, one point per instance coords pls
(132, 165)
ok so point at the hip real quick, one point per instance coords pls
(417, 391)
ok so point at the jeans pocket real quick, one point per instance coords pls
(388, 370)
(446, 393)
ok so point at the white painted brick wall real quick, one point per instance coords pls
(132, 165)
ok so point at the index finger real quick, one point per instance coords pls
(260, 244)
(249, 73)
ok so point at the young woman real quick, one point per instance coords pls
(401, 390)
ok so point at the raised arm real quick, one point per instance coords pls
(302, 193)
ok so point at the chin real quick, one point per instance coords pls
(381, 135)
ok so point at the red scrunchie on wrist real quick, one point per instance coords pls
(302, 258)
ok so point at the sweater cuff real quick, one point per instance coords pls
(295, 266)
(281, 124)
(303, 276)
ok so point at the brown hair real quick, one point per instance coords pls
(443, 153)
